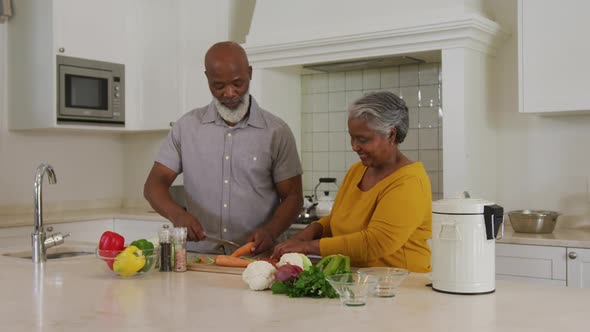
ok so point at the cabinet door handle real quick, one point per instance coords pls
(572, 255)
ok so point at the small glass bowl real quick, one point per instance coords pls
(353, 288)
(111, 256)
(388, 279)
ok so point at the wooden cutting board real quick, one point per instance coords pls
(212, 268)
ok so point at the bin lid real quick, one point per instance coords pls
(460, 206)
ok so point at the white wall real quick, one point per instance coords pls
(89, 167)
(140, 152)
(543, 161)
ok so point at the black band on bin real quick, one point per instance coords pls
(493, 216)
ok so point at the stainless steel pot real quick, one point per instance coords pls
(533, 221)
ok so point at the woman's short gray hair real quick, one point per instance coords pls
(383, 111)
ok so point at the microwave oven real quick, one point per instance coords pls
(90, 92)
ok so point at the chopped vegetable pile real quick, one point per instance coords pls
(312, 281)
(296, 276)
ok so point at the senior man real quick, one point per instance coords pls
(241, 169)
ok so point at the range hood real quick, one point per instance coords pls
(374, 63)
(338, 34)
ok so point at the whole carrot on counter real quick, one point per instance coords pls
(225, 260)
(246, 249)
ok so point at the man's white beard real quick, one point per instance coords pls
(233, 115)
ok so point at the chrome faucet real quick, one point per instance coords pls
(38, 237)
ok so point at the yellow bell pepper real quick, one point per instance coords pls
(129, 261)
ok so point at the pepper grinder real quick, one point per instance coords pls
(165, 249)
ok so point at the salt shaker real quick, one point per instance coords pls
(180, 234)
(165, 249)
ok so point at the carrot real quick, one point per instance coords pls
(225, 260)
(243, 250)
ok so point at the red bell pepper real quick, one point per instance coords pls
(109, 246)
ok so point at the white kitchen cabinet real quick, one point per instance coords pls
(167, 55)
(132, 229)
(91, 230)
(87, 231)
(153, 64)
(20, 231)
(538, 264)
(166, 58)
(201, 23)
(161, 44)
(90, 29)
(542, 264)
(41, 30)
(578, 267)
(552, 53)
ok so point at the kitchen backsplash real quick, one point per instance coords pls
(325, 143)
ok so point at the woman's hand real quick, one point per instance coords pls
(298, 246)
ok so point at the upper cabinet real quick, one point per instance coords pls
(89, 29)
(553, 50)
(150, 38)
(39, 32)
(153, 64)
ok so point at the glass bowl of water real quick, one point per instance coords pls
(353, 288)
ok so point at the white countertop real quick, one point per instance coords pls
(76, 294)
(561, 237)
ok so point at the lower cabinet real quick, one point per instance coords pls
(85, 231)
(558, 266)
(91, 230)
(20, 231)
(578, 267)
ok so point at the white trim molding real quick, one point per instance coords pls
(472, 32)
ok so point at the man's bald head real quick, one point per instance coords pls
(224, 52)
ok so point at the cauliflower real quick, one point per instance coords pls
(259, 275)
(295, 259)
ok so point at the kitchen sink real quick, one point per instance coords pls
(55, 253)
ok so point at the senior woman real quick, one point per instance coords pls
(382, 215)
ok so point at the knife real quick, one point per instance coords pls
(220, 241)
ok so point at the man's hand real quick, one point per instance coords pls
(263, 240)
(195, 231)
(157, 191)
